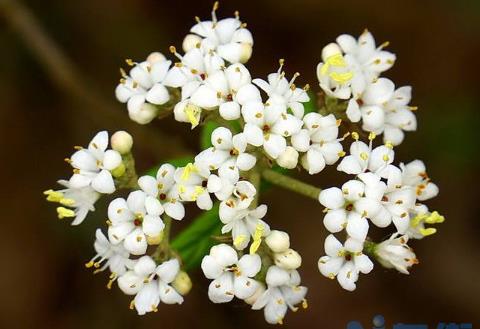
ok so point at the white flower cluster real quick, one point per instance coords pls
(262, 123)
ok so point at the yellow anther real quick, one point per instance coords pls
(132, 304)
(372, 136)
(385, 158)
(435, 218)
(385, 44)
(198, 190)
(413, 108)
(364, 156)
(257, 238)
(304, 304)
(239, 240)
(341, 78)
(67, 202)
(188, 170)
(428, 231)
(89, 264)
(355, 135)
(215, 5)
(53, 196)
(181, 189)
(172, 49)
(418, 219)
(64, 212)
(338, 122)
(389, 145)
(123, 73)
(192, 112)
(341, 154)
(129, 62)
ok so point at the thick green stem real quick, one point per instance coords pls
(164, 251)
(291, 184)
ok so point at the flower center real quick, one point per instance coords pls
(202, 76)
(349, 207)
(266, 128)
(162, 196)
(234, 152)
(229, 97)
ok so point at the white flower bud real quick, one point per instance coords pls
(182, 283)
(121, 142)
(190, 42)
(145, 114)
(330, 50)
(288, 159)
(155, 57)
(278, 241)
(253, 298)
(155, 240)
(246, 53)
(395, 253)
(288, 260)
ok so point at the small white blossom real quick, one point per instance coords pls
(344, 262)
(93, 166)
(420, 216)
(164, 188)
(240, 199)
(278, 241)
(283, 292)
(81, 199)
(227, 149)
(395, 253)
(151, 284)
(289, 158)
(144, 87)
(191, 182)
(228, 37)
(134, 221)
(414, 174)
(109, 255)
(269, 125)
(319, 140)
(244, 224)
(231, 276)
(283, 92)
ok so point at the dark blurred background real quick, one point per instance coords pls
(52, 100)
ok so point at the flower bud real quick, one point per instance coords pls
(190, 42)
(145, 114)
(246, 53)
(253, 298)
(121, 142)
(155, 240)
(288, 260)
(182, 283)
(119, 171)
(330, 50)
(155, 57)
(278, 241)
(288, 159)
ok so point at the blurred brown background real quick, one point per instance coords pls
(44, 283)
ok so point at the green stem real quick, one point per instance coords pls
(164, 251)
(291, 184)
(255, 178)
(369, 248)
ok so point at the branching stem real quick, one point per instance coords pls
(291, 184)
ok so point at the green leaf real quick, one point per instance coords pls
(311, 105)
(205, 135)
(195, 241)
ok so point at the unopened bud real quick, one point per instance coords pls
(190, 42)
(278, 241)
(121, 142)
(288, 159)
(330, 50)
(155, 57)
(253, 298)
(145, 114)
(246, 53)
(155, 240)
(182, 283)
(119, 171)
(288, 260)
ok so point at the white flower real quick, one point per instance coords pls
(283, 92)
(420, 215)
(227, 149)
(283, 292)
(350, 207)
(415, 174)
(395, 253)
(151, 284)
(319, 140)
(228, 37)
(228, 89)
(134, 221)
(241, 197)
(163, 187)
(231, 276)
(363, 158)
(244, 224)
(278, 241)
(93, 166)
(344, 262)
(143, 87)
(269, 125)
(289, 158)
(399, 116)
(191, 182)
(113, 256)
(365, 60)
(81, 199)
